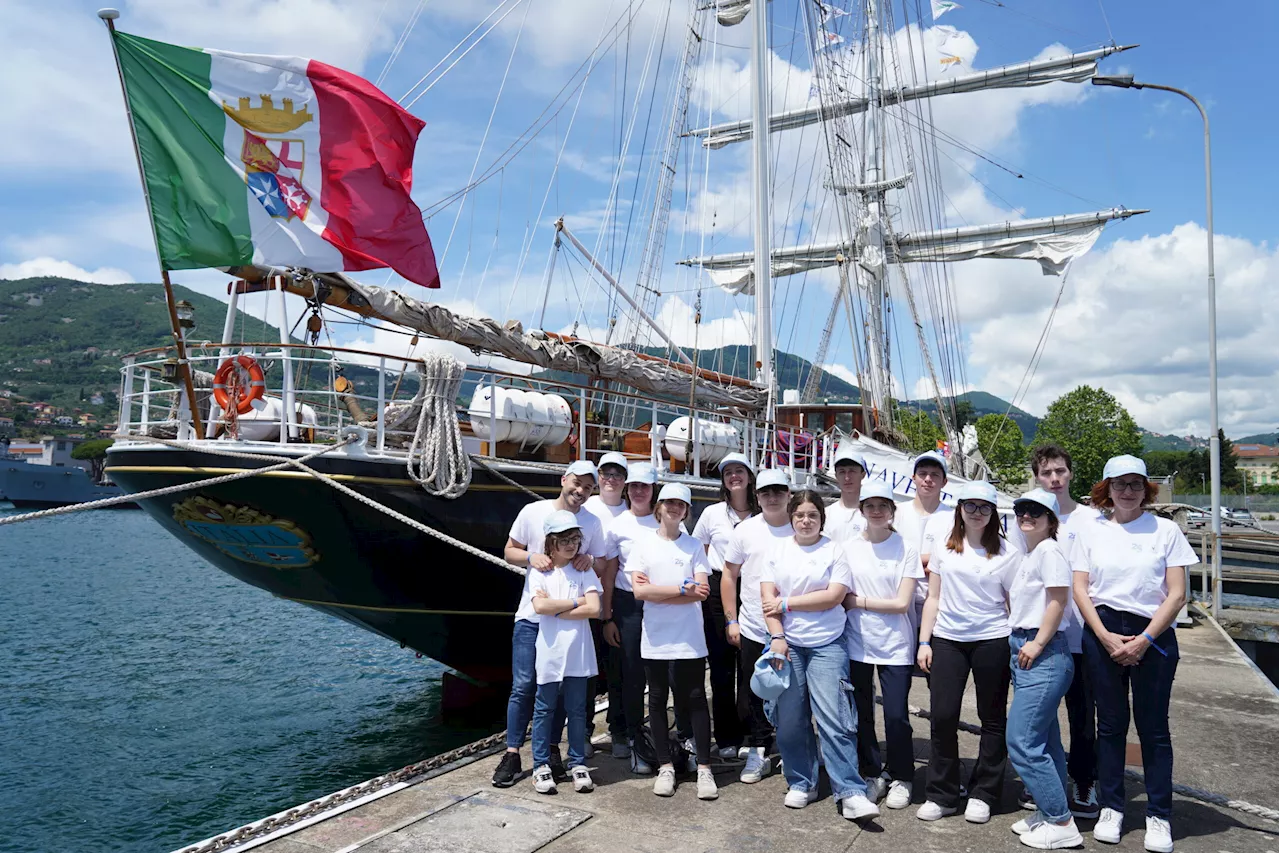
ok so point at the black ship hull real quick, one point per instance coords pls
(302, 540)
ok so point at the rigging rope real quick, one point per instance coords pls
(438, 460)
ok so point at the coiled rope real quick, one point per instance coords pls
(438, 461)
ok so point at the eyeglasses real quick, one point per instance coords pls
(1128, 486)
(977, 508)
(1030, 509)
(806, 516)
(569, 541)
(613, 475)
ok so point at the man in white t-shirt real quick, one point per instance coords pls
(606, 506)
(844, 521)
(525, 545)
(1051, 466)
(925, 521)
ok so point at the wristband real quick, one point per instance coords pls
(924, 642)
(729, 622)
(782, 637)
(1152, 641)
(784, 605)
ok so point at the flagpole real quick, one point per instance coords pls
(109, 17)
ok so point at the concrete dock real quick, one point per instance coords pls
(1224, 720)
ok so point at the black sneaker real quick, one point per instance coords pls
(1026, 801)
(557, 766)
(508, 770)
(1084, 801)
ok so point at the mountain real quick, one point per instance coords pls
(987, 404)
(1271, 439)
(1155, 441)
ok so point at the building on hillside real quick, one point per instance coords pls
(97, 399)
(64, 420)
(1259, 463)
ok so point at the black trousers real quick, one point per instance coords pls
(750, 706)
(722, 660)
(988, 660)
(685, 680)
(624, 668)
(1082, 760)
(895, 684)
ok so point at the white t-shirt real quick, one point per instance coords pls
(799, 569)
(843, 523)
(714, 529)
(1043, 568)
(621, 538)
(670, 631)
(564, 647)
(878, 568)
(924, 531)
(1127, 562)
(749, 547)
(1069, 527)
(601, 510)
(971, 606)
(527, 528)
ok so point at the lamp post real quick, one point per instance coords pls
(1126, 81)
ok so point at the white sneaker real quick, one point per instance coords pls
(899, 796)
(757, 767)
(876, 789)
(1026, 824)
(1047, 835)
(582, 780)
(857, 807)
(743, 751)
(1107, 829)
(932, 811)
(707, 789)
(543, 781)
(1159, 838)
(798, 799)
(665, 784)
(976, 811)
(727, 753)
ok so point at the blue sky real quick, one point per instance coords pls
(1132, 313)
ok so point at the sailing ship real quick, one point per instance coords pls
(459, 448)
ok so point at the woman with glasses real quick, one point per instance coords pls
(881, 636)
(803, 584)
(1130, 583)
(965, 628)
(1042, 671)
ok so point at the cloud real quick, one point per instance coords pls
(46, 266)
(1132, 321)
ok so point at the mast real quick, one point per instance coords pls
(761, 184)
(871, 254)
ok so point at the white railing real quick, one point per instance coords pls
(152, 403)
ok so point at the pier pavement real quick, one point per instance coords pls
(1224, 722)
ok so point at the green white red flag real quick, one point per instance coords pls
(273, 160)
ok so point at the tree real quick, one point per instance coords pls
(1000, 442)
(920, 430)
(1093, 427)
(1231, 477)
(95, 452)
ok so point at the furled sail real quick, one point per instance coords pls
(730, 12)
(1074, 68)
(509, 340)
(1053, 241)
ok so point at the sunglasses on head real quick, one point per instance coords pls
(1029, 509)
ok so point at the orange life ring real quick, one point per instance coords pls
(244, 399)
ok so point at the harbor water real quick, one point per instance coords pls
(150, 700)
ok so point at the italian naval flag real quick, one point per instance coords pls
(272, 160)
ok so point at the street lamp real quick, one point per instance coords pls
(1126, 81)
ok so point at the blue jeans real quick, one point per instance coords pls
(553, 700)
(1033, 734)
(1152, 683)
(819, 689)
(524, 684)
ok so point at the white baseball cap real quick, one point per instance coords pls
(613, 458)
(772, 477)
(735, 459)
(1038, 496)
(929, 456)
(676, 492)
(1118, 466)
(845, 453)
(560, 521)
(977, 490)
(642, 472)
(581, 468)
(876, 489)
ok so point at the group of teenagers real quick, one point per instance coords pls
(798, 608)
